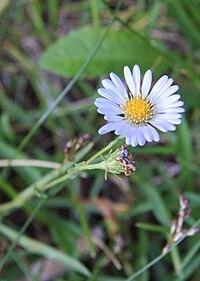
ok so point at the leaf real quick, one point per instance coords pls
(40, 248)
(119, 48)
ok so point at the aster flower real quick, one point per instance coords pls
(136, 111)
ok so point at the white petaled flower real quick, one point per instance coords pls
(136, 111)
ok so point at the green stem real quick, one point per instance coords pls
(72, 172)
(103, 150)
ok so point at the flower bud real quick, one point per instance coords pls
(120, 161)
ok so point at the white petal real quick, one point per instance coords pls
(128, 141)
(147, 134)
(169, 106)
(137, 78)
(101, 102)
(129, 80)
(107, 128)
(161, 91)
(141, 138)
(113, 117)
(134, 138)
(131, 131)
(118, 83)
(172, 110)
(110, 95)
(165, 95)
(175, 121)
(163, 125)
(110, 110)
(158, 86)
(123, 129)
(154, 133)
(132, 135)
(171, 118)
(168, 101)
(108, 84)
(146, 83)
(167, 116)
(167, 85)
(171, 90)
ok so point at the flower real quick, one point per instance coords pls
(135, 111)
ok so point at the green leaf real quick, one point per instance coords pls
(40, 248)
(119, 48)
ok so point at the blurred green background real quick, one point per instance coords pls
(94, 229)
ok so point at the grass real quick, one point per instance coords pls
(52, 210)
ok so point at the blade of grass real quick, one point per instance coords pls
(143, 247)
(152, 227)
(53, 9)
(7, 188)
(39, 248)
(185, 152)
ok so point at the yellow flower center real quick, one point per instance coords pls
(138, 111)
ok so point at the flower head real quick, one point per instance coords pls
(135, 111)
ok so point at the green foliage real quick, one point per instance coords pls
(66, 55)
